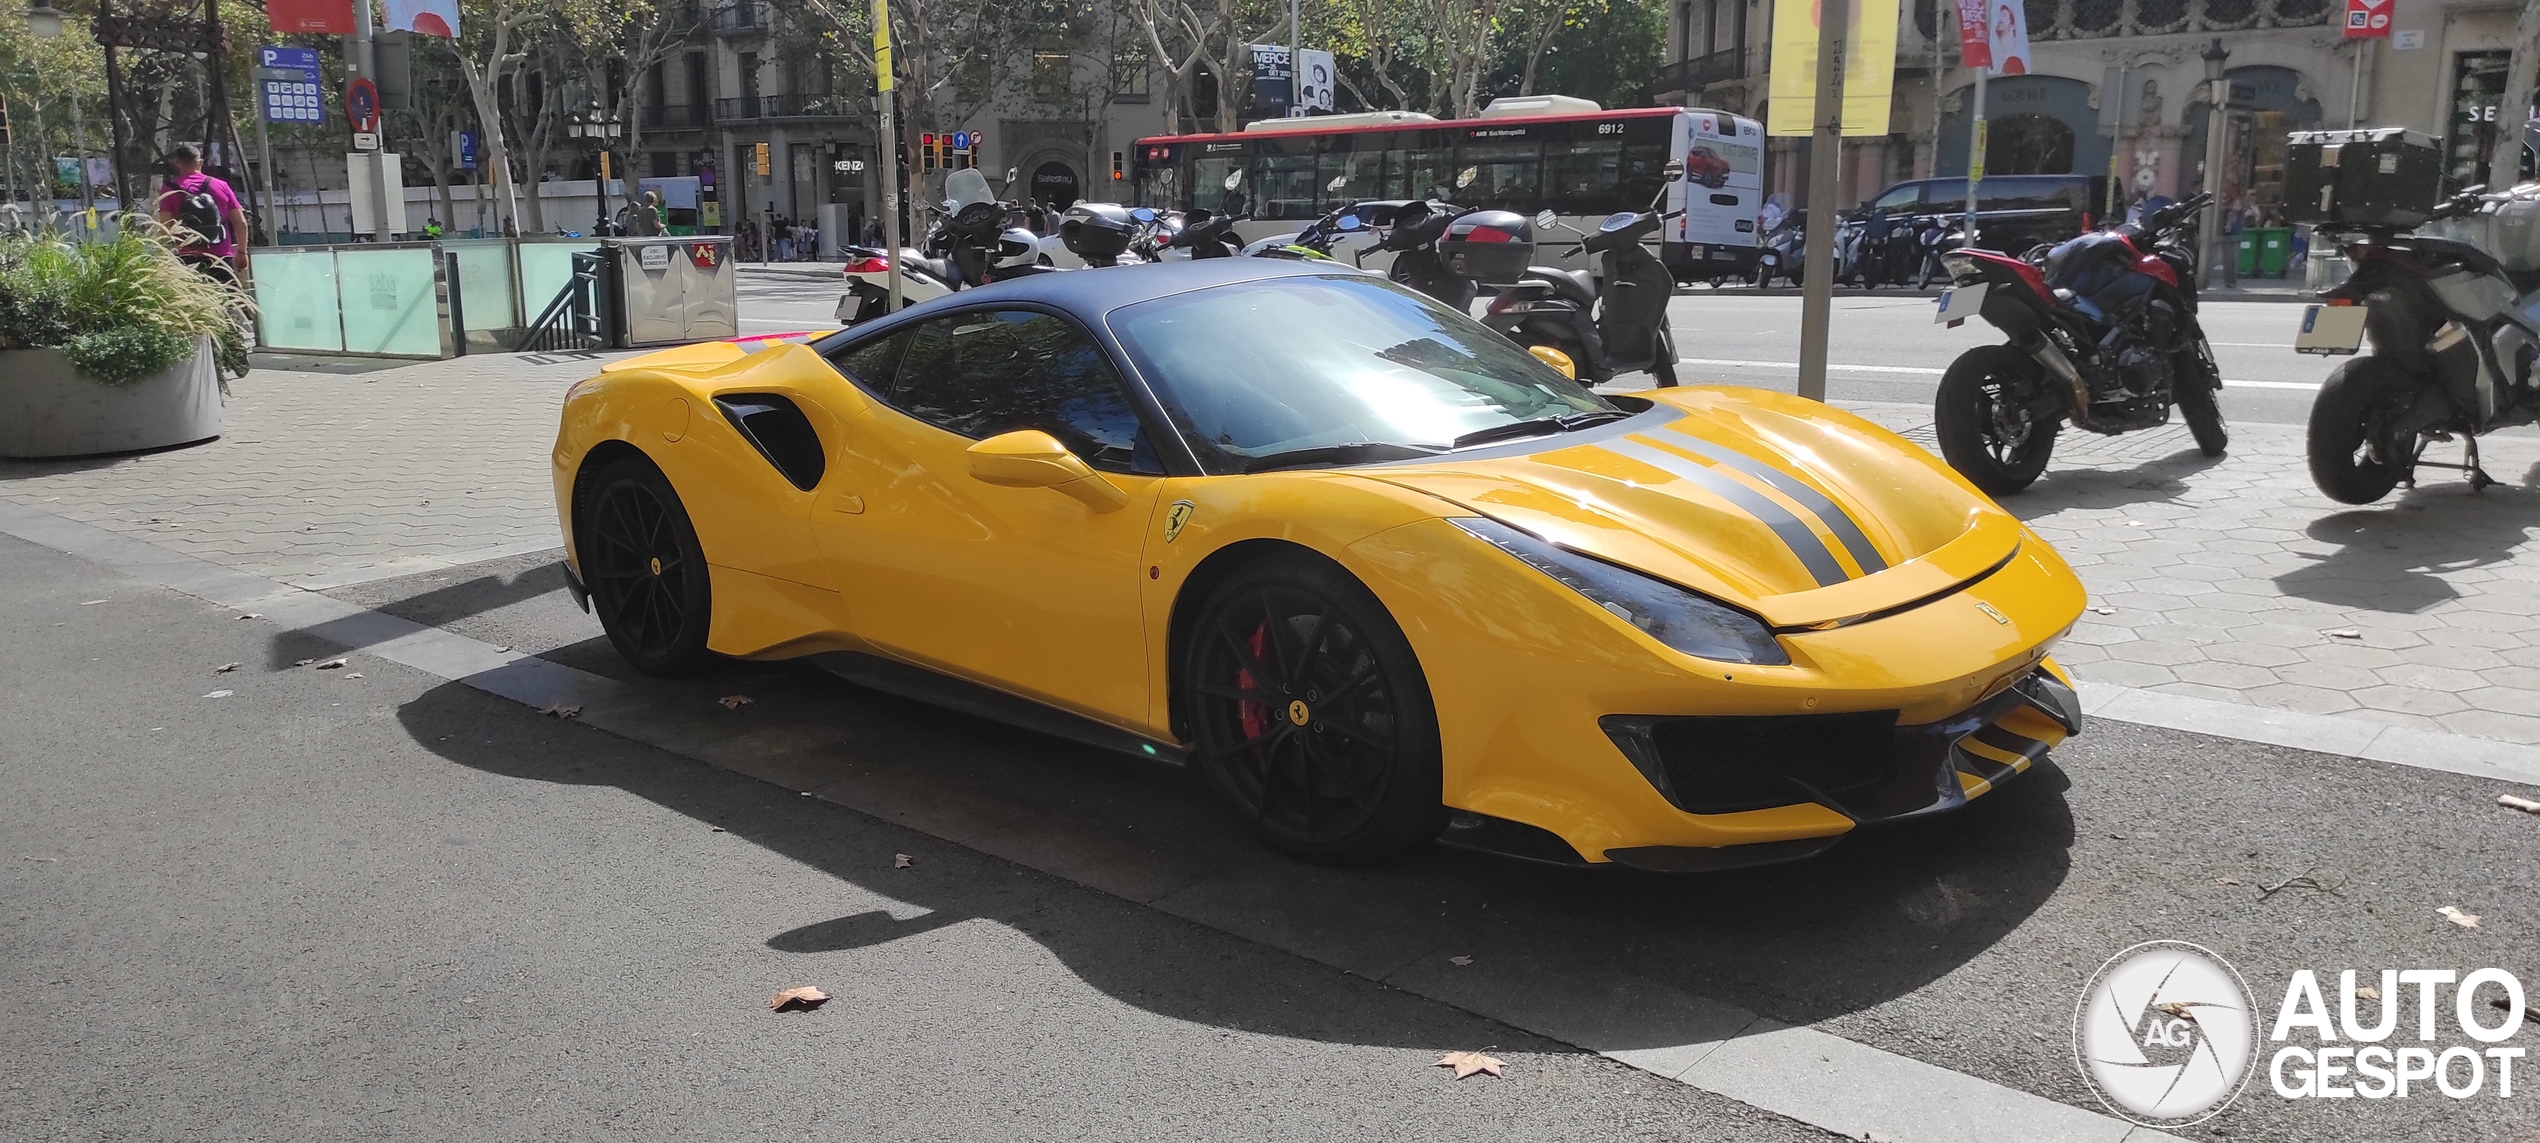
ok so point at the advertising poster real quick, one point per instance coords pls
(1869, 73)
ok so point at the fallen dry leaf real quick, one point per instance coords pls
(2343, 633)
(902, 861)
(2453, 914)
(1459, 961)
(2226, 881)
(561, 711)
(352, 674)
(330, 665)
(2368, 992)
(226, 668)
(2105, 610)
(735, 702)
(1467, 1063)
(251, 615)
(220, 694)
(2526, 805)
(802, 999)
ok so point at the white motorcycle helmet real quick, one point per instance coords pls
(1017, 248)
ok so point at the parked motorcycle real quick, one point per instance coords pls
(2103, 334)
(1785, 250)
(2453, 308)
(1934, 236)
(1607, 327)
(1207, 235)
(959, 249)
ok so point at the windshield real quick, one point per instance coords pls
(1338, 369)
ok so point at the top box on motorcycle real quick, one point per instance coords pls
(2379, 176)
(1097, 229)
(2506, 226)
(1492, 247)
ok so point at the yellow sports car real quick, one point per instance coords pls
(1384, 576)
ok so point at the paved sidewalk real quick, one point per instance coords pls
(2230, 580)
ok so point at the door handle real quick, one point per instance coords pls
(843, 502)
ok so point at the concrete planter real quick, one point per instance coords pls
(48, 409)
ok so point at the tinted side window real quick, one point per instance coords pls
(874, 363)
(981, 374)
(1902, 200)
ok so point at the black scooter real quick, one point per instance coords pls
(1608, 327)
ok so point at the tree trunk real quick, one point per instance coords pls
(2513, 112)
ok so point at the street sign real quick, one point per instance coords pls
(365, 140)
(464, 144)
(2367, 19)
(310, 17)
(361, 105)
(287, 85)
(961, 140)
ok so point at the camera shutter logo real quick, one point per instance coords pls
(2165, 1034)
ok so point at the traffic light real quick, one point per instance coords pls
(926, 150)
(1115, 166)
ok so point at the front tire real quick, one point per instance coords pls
(2354, 458)
(1663, 366)
(646, 571)
(1311, 716)
(2201, 405)
(1985, 430)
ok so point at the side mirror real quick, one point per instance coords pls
(1338, 181)
(1030, 458)
(1546, 220)
(1234, 178)
(1009, 174)
(1556, 359)
(1675, 170)
(1464, 178)
(1348, 222)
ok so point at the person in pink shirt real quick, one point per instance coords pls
(208, 211)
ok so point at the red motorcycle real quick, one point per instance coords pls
(2103, 334)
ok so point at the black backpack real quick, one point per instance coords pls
(199, 212)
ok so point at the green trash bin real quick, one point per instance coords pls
(2275, 247)
(2248, 253)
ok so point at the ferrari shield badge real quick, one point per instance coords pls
(1992, 612)
(1176, 516)
(703, 255)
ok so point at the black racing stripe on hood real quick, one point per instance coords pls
(1812, 552)
(1836, 520)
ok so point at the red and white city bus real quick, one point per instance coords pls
(1528, 154)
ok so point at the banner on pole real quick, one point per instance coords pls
(1975, 47)
(2009, 34)
(424, 17)
(2367, 19)
(1869, 68)
(882, 44)
(312, 17)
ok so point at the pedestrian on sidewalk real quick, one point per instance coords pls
(206, 212)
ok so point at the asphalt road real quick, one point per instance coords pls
(1883, 346)
(387, 905)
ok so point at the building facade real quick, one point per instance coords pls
(2116, 88)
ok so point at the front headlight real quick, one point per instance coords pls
(1703, 628)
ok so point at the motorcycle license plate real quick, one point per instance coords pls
(1958, 303)
(2330, 330)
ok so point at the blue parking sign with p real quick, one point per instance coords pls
(287, 85)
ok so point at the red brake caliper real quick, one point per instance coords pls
(1255, 716)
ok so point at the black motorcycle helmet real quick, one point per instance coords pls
(1095, 230)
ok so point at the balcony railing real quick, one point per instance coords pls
(2096, 19)
(747, 18)
(1698, 72)
(786, 107)
(683, 117)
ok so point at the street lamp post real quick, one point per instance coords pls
(2217, 125)
(602, 130)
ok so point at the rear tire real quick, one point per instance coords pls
(646, 570)
(1311, 716)
(2353, 456)
(2000, 450)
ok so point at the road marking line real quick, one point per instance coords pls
(1925, 371)
(1812, 1076)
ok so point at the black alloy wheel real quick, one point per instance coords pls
(646, 571)
(1311, 716)
(1982, 416)
(2354, 455)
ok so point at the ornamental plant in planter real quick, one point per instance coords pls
(111, 346)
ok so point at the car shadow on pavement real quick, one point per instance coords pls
(2393, 556)
(1879, 916)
